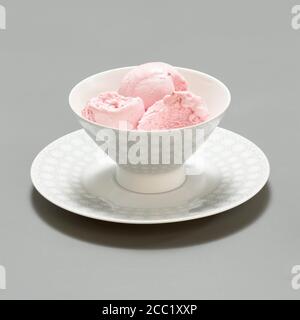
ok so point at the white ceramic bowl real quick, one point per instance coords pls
(148, 177)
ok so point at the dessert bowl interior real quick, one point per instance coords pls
(215, 93)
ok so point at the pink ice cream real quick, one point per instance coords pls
(155, 87)
(152, 82)
(180, 109)
(110, 109)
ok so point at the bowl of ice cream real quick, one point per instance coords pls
(150, 119)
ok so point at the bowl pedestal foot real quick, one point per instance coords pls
(150, 182)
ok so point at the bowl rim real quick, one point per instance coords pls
(199, 125)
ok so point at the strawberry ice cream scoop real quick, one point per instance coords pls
(180, 109)
(112, 110)
(152, 82)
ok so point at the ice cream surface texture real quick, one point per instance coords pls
(152, 82)
(152, 96)
(180, 109)
(112, 110)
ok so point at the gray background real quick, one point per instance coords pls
(246, 253)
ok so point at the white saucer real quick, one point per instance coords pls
(74, 174)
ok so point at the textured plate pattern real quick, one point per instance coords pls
(57, 173)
